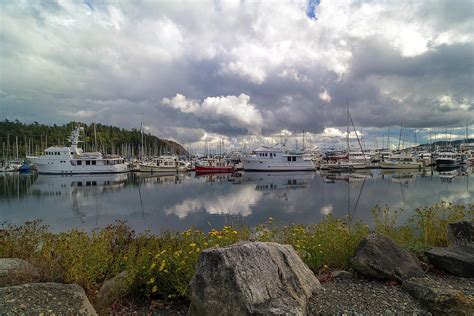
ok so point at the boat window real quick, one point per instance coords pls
(294, 158)
(88, 162)
(288, 158)
(79, 162)
(93, 162)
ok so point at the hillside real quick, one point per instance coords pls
(33, 138)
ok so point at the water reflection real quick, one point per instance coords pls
(152, 202)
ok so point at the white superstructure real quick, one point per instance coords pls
(400, 161)
(276, 159)
(72, 160)
(160, 164)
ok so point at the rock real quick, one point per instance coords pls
(379, 257)
(111, 291)
(253, 278)
(438, 298)
(461, 233)
(342, 275)
(457, 260)
(15, 271)
(45, 298)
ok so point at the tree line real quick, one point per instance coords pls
(31, 139)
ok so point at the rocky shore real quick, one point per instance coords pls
(267, 278)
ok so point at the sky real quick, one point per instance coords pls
(243, 73)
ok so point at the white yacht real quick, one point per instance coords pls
(447, 159)
(276, 159)
(160, 164)
(72, 160)
(400, 161)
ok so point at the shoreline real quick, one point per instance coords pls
(160, 267)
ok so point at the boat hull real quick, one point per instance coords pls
(397, 165)
(44, 166)
(153, 169)
(446, 162)
(206, 169)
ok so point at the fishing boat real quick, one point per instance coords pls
(276, 159)
(73, 160)
(400, 161)
(160, 164)
(218, 165)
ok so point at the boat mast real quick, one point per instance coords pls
(347, 128)
(400, 137)
(95, 137)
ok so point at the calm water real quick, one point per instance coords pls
(178, 202)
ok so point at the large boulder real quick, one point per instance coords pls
(377, 256)
(44, 299)
(112, 291)
(15, 271)
(254, 278)
(457, 260)
(438, 297)
(461, 233)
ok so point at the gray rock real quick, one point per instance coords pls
(111, 291)
(44, 298)
(255, 278)
(438, 298)
(460, 233)
(379, 257)
(457, 260)
(342, 275)
(15, 271)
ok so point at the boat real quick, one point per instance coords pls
(276, 159)
(73, 160)
(160, 164)
(26, 167)
(400, 161)
(447, 159)
(210, 165)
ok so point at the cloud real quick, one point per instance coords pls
(121, 64)
(236, 110)
(325, 96)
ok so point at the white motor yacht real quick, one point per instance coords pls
(73, 160)
(447, 159)
(400, 161)
(276, 159)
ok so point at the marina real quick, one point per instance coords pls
(177, 201)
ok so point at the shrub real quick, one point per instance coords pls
(163, 265)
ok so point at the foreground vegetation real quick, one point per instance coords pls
(162, 265)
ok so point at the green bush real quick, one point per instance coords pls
(163, 265)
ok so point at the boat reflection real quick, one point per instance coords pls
(266, 181)
(79, 189)
(149, 179)
(14, 185)
(358, 176)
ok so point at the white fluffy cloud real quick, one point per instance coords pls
(237, 110)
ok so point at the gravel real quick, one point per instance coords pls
(362, 297)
